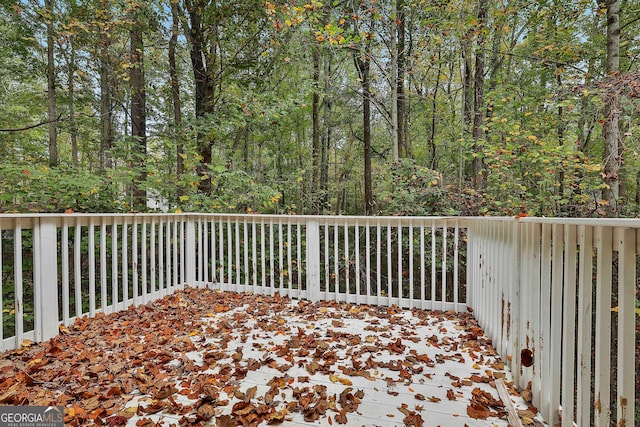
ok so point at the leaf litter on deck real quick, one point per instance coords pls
(201, 356)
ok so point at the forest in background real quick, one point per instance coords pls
(481, 107)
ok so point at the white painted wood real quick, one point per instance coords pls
(346, 258)
(145, 264)
(17, 281)
(64, 245)
(356, 247)
(556, 322)
(626, 381)
(135, 264)
(422, 268)
(585, 274)
(188, 251)
(92, 268)
(378, 263)
(545, 321)
(153, 261)
(238, 259)
(456, 256)
(2, 347)
(299, 265)
(602, 339)
(443, 294)
(432, 306)
(125, 264)
(568, 325)
(77, 268)
(411, 288)
(114, 266)
(254, 254)
(367, 230)
(289, 270)
(271, 259)
(313, 261)
(45, 279)
(281, 254)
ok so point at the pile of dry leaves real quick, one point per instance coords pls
(202, 356)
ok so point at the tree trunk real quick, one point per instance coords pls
(51, 86)
(203, 86)
(138, 113)
(315, 131)
(402, 61)
(327, 105)
(611, 126)
(478, 99)
(106, 139)
(175, 92)
(363, 61)
(394, 80)
(73, 127)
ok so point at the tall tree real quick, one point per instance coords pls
(174, 83)
(611, 126)
(478, 95)
(51, 84)
(138, 105)
(362, 58)
(107, 82)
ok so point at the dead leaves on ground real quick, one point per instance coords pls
(189, 353)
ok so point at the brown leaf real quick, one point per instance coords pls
(206, 412)
(478, 411)
(225, 421)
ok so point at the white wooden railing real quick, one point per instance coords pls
(543, 289)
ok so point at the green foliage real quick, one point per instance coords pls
(411, 189)
(25, 188)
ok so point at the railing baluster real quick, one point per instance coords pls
(160, 245)
(568, 325)
(152, 270)
(378, 263)
(17, 280)
(422, 268)
(125, 263)
(456, 261)
(134, 263)
(389, 267)
(347, 261)
(545, 320)
(400, 280)
(602, 343)
(145, 264)
(410, 285)
(77, 268)
(271, 259)
(356, 245)
(263, 257)
(64, 245)
(299, 260)
(289, 269)
(103, 265)
(626, 381)
(246, 246)
(585, 306)
(367, 230)
(254, 254)
(433, 266)
(92, 269)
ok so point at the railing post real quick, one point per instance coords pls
(45, 260)
(313, 260)
(190, 250)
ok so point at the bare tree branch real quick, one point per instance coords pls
(46, 122)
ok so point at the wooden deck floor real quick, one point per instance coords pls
(206, 357)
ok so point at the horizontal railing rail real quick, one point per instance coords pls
(556, 296)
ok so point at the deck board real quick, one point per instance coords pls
(168, 356)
